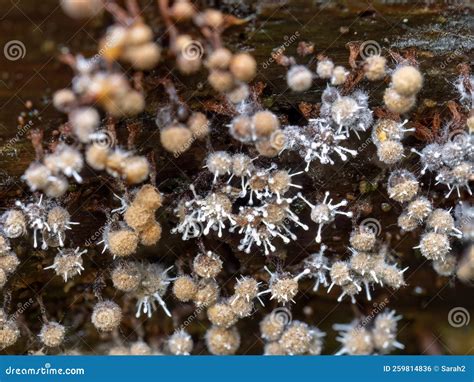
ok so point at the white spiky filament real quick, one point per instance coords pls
(325, 212)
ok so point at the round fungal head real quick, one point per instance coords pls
(155, 280)
(241, 128)
(374, 67)
(363, 238)
(138, 216)
(115, 161)
(407, 81)
(58, 218)
(452, 153)
(296, 339)
(84, 122)
(241, 306)
(273, 348)
(440, 221)
(241, 165)
(384, 332)
(447, 266)
(52, 334)
(221, 341)
(434, 246)
(139, 33)
(149, 197)
(185, 288)
(143, 57)
(64, 99)
(211, 17)
(278, 141)
(9, 332)
(68, 263)
(390, 152)
(9, 262)
(407, 222)
(56, 187)
(340, 273)
(265, 123)
(243, 66)
(126, 276)
(37, 176)
(362, 262)
(299, 78)
(14, 225)
(325, 68)
(357, 341)
(135, 169)
(246, 288)
(279, 181)
(207, 293)
(273, 325)
(82, 9)
(222, 315)
(221, 80)
(122, 242)
(106, 316)
(316, 344)
(392, 276)
(3, 278)
(66, 159)
(267, 148)
(187, 63)
(4, 244)
(180, 343)
(182, 10)
(151, 234)
(238, 94)
(431, 157)
(397, 103)
(199, 125)
(339, 75)
(386, 129)
(321, 213)
(402, 186)
(344, 110)
(284, 288)
(176, 138)
(219, 163)
(219, 59)
(96, 156)
(207, 265)
(140, 348)
(419, 208)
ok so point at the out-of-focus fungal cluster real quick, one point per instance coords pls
(363, 338)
